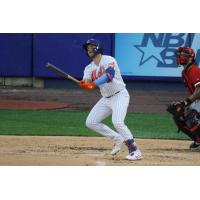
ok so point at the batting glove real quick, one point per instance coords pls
(87, 86)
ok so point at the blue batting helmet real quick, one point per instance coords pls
(98, 47)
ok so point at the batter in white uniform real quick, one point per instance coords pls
(103, 72)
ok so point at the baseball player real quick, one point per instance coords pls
(185, 56)
(103, 72)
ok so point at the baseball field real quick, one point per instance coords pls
(47, 127)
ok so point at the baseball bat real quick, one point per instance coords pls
(61, 72)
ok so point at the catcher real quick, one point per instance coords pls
(186, 114)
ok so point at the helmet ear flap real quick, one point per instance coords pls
(95, 50)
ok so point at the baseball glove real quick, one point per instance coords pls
(187, 120)
(176, 109)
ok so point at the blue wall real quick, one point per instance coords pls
(16, 54)
(65, 51)
(25, 54)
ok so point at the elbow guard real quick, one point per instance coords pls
(110, 72)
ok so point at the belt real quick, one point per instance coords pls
(114, 94)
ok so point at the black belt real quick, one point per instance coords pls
(113, 94)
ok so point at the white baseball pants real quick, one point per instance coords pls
(117, 106)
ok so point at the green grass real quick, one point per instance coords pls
(142, 125)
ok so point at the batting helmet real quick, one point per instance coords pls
(183, 55)
(98, 47)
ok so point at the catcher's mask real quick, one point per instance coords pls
(98, 47)
(184, 55)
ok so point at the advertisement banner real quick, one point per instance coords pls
(152, 55)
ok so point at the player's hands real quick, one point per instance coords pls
(87, 86)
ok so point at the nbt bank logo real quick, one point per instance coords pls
(162, 47)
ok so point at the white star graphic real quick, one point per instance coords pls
(149, 52)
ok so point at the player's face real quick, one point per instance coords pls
(182, 58)
(90, 50)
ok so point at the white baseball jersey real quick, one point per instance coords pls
(116, 104)
(93, 72)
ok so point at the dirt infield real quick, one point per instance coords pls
(90, 151)
(33, 105)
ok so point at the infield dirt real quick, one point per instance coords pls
(90, 151)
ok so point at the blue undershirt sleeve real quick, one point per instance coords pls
(103, 79)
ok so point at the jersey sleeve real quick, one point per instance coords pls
(87, 73)
(195, 77)
(111, 62)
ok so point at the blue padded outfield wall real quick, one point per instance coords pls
(141, 56)
(65, 51)
(24, 54)
(16, 54)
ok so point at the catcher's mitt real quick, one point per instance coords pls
(176, 109)
(187, 120)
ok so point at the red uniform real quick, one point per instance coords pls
(191, 78)
(189, 124)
